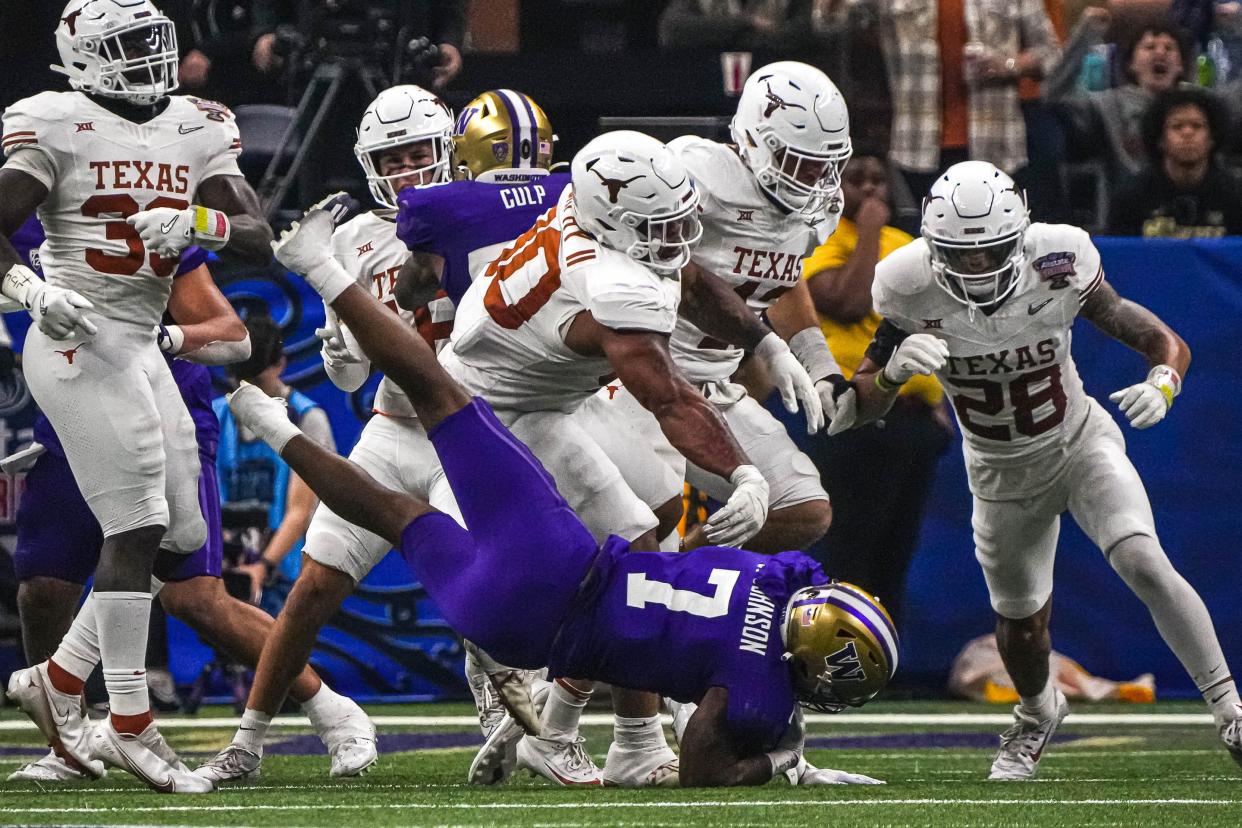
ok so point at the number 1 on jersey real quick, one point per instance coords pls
(639, 591)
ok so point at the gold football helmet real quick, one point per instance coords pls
(841, 644)
(503, 136)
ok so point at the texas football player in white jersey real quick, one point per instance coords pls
(124, 176)
(404, 140)
(985, 300)
(766, 204)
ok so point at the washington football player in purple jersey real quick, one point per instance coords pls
(746, 636)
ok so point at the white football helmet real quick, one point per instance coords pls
(124, 49)
(974, 220)
(404, 115)
(793, 130)
(634, 195)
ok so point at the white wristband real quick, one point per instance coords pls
(782, 760)
(21, 284)
(211, 228)
(811, 349)
(1167, 381)
(170, 338)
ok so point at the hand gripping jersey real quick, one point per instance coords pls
(1010, 376)
(748, 241)
(467, 223)
(368, 248)
(508, 342)
(100, 168)
(679, 624)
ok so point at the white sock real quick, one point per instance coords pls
(638, 734)
(320, 707)
(671, 542)
(122, 621)
(561, 713)
(78, 652)
(253, 730)
(1222, 698)
(1043, 704)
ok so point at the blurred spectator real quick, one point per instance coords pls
(1107, 123)
(953, 70)
(1183, 192)
(879, 475)
(1045, 141)
(253, 478)
(786, 25)
(1216, 26)
(217, 38)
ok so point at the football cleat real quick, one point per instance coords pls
(1231, 735)
(497, 759)
(60, 717)
(563, 762)
(229, 765)
(51, 768)
(486, 702)
(657, 768)
(131, 753)
(512, 686)
(349, 736)
(1023, 744)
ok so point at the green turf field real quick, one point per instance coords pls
(1117, 773)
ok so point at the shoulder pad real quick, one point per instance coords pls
(1062, 255)
(33, 121)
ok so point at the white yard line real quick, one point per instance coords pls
(601, 719)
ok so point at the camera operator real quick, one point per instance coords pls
(217, 40)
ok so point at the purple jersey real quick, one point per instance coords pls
(678, 624)
(461, 220)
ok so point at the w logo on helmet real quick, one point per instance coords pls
(844, 665)
(776, 102)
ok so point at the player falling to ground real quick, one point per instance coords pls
(124, 177)
(404, 140)
(767, 202)
(985, 300)
(747, 635)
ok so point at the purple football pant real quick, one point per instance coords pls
(58, 537)
(511, 581)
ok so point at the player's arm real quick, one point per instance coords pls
(208, 330)
(892, 358)
(1167, 354)
(713, 307)
(20, 196)
(419, 280)
(794, 318)
(250, 236)
(712, 758)
(226, 217)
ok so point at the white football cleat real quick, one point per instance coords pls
(1023, 744)
(512, 687)
(59, 716)
(1231, 735)
(681, 713)
(49, 769)
(486, 702)
(657, 768)
(229, 765)
(497, 759)
(130, 753)
(349, 736)
(563, 762)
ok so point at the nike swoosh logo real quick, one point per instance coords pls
(1033, 308)
(168, 226)
(186, 131)
(1218, 698)
(166, 786)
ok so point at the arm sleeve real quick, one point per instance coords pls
(886, 340)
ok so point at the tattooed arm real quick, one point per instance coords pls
(1136, 327)
(709, 302)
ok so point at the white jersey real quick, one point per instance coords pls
(508, 342)
(748, 241)
(1010, 376)
(100, 168)
(368, 248)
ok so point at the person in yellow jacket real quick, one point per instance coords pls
(881, 474)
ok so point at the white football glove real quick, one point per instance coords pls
(917, 354)
(807, 774)
(164, 230)
(335, 349)
(1146, 403)
(307, 243)
(840, 398)
(267, 417)
(59, 312)
(791, 380)
(744, 513)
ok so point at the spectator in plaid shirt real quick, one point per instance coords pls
(938, 118)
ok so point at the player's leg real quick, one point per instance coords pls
(1110, 503)
(800, 512)
(1015, 543)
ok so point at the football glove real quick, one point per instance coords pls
(1146, 403)
(840, 398)
(59, 312)
(804, 773)
(917, 354)
(167, 231)
(791, 380)
(305, 248)
(744, 513)
(267, 417)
